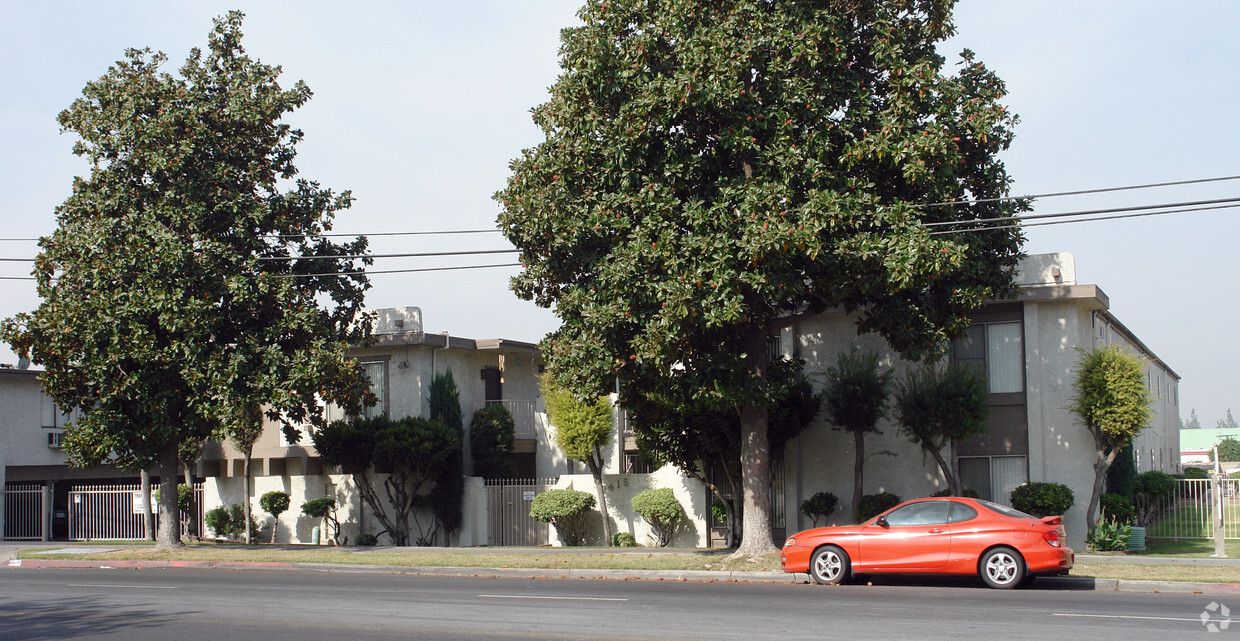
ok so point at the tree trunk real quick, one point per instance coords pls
(168, 535)
(245, 499)
(596, 470)
(192, 518)
(148, 516)
(953, 484)
(858, 471)
(1101, 465)
(756, 486)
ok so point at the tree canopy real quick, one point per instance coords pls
(942, 406)
(582, 430)
(855, 396)
(189, 275)
(714, 172)
(1112, 399)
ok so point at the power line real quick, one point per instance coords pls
(1082, 192)
(1085, 212)
(417, 255)
(355, 273)
(1082, 220)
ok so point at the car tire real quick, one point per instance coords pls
(829, 565)
(1002, 568)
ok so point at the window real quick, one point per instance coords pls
(962, 513)
(53, 416)
(993, 477)
(377, 373)
(999, 350)
(921, 513)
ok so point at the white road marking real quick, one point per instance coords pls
(555, 598)
(106, 585)
(1125, 616)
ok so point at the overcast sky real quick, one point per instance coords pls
(419, 106)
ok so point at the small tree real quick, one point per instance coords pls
(491, 435)
(822, 505)
(244, 430)
(445, 501)
(941, 407)
(413, 449)
(1113, 401)
(1228, 450)
(324, 508)
(568, 511)
(582, 429)
(855, 398)
(662, 511)
(274, 503)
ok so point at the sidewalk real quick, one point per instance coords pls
(10, 550)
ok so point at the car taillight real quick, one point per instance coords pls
(1051, 537)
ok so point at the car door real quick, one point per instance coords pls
(913, 537)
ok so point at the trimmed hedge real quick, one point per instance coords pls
(819, 506)
(567, 510)
(661, 510)
(1043, 499)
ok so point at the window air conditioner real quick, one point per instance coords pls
(53, 439)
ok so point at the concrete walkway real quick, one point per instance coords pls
(9, 552)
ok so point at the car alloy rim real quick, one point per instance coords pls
(1001, 568)
(829, 565)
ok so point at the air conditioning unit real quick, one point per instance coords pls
(53, 439)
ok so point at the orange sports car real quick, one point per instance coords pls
(948, 535)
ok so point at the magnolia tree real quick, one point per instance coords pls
(188, 276)
(1112, 399)
(713, 172)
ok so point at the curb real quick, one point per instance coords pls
(698, 576)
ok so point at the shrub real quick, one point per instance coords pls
(623, 540)
(324, 508)
(274, 503)
(1042, 499)
(566, 510)
(662, 511)
(217, 519)
(366, 539)
(228, 522)
(1195, 473)
(491, 435)
(874, 504)
(819, 506)
(1119, 507)
(1109, 535)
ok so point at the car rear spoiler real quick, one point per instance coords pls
(1051, 520)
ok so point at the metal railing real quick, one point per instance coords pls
(523, 416)
(1189, 511)
(23, 512)
(112, 512)
(508, 512)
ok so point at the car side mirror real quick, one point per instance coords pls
(881, 522)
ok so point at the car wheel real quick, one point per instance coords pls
(1002, 568)
(829, 565)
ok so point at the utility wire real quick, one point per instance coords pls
(1082, 220)
(1082, 192)
(418, 255)
(1087, 212)
(397, 271)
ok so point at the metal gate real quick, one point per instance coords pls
(113, 512)
(23, 512)
(508, 512)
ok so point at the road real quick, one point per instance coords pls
(275, 605)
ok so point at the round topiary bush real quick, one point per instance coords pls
(1043, 499)
(819, 506)
(623, 540)
(874, 504)
(967, 492)
(661, 510)
(568, 511)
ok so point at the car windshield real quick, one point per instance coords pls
(1005, 510)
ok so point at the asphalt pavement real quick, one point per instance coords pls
(9, 551)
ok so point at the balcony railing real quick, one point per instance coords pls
(525, 424)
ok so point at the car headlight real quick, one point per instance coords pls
(790, 543)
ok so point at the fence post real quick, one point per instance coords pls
(46, 514)
(1220, 537)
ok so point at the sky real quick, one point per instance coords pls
(420, 106)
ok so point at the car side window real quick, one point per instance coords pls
(920, 513)
(962, 512)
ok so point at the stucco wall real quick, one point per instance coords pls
(620, 490)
